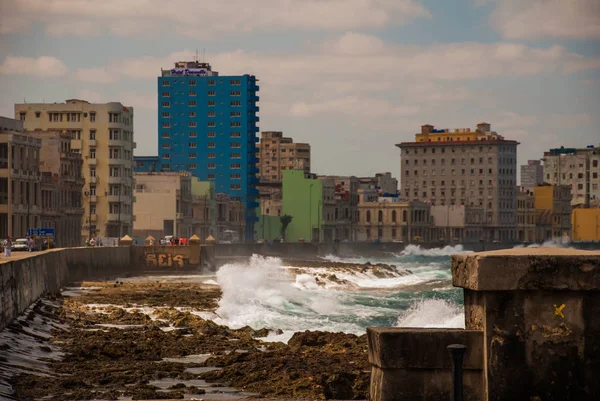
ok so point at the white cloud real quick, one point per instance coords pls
(209, 18)
(139, 100)
(71, 27)
(535, 19)
(353, 106)
(43, 66)
(92, 96)
(98, 75)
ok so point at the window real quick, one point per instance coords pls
(235, 176)
(192, 114)
(193, 134)
(192, 166)
(166, 94)
(92, 153)
(235, 166)
(368, 216)
(92, 117)
(192, 83)
(166, 83)
(211, 155)
(166, 124)
(235, 93)
(92, 171)
(166, 146)
(192, 124)
(211, 134)
(211, 82)
(235, 135)
(211, 103)
(211, 144)
(192, 155)
(211, 165)
(115, 171)
(579, 186)
(235, 114)
(165, 114)
(211, 176)
(114, 117)
(192, 93)
(235, 82)
(235, 103)
(92, 134)
(211, 124)
(212, 93)
(236, 156)
(235, 186)
(211, 113)
(594, 175)
(235, 124)
(192, 145)
(235, 145)
(595, 163)
(192, 103)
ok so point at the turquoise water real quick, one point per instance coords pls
(265, 293)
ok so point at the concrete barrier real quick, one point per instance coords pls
(24, 279)
(532, 332)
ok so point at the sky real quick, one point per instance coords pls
(351, 77)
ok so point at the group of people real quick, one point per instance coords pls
(7, 245)
(173, 241)
(92, 242)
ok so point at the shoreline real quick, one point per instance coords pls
(115, 337)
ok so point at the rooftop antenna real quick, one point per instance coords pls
(196, 55)
(203, 55)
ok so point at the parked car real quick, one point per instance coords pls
(20, 245)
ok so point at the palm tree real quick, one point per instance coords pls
(285, 221)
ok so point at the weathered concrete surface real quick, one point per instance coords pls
(528, 269)
(414, 364)
(538, 309)
(25, 279)
(532, 316)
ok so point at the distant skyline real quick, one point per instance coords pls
(351, 77)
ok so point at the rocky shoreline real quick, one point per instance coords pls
(141, 340)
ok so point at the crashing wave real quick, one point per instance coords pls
(416, 250)
(433, 313)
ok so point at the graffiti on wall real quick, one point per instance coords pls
(165, 260)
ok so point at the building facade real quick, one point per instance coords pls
(103, 134)
(384, 183)
(341, 221)
(145, 164)
(61, 186)
(526, 215)
(20, 189)
(579, 168)
(457, 223)
(394, 220)
(207, 125)
(278, 153)
(554, 201)
(163, 205)
(463, 167)
(586, 225)
(532, 174)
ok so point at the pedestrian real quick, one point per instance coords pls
(92, 242)
(99, 241)
(87, 242)
(7, 247)
(30, 244)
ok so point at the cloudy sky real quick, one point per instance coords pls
(351, 77)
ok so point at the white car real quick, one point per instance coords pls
(20, 245)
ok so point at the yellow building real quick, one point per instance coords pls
(103, 134)
(586, 225)
(555, 199)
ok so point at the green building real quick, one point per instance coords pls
(203, 193)
(268, 228)
(303, 200)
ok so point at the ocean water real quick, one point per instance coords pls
(265, 293)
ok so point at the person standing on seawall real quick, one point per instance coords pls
(7, 247)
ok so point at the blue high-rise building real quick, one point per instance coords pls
(207, 125)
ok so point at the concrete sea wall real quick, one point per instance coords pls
(532, 333)
(24, 280)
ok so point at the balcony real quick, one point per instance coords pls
(179, 216)
(93, 218)
(115, 198)
(91, 162)
(91, 142)
(119, 180)
(94, 180)
(76, 144)
(93, 199)
(119, 142)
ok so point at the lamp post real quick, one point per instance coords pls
(121, 181)
(310, 210)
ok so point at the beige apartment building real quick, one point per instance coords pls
(463, 167)
(343, 214)
(393, 220)
(526, 215)
(553, 202)
(457, 223)
(62, 184)
(278, 153)
(383, 183)
(103, 134)
(163, 205)
(579, 168)
(20, 189)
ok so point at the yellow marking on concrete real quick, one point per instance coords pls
(558, 310)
